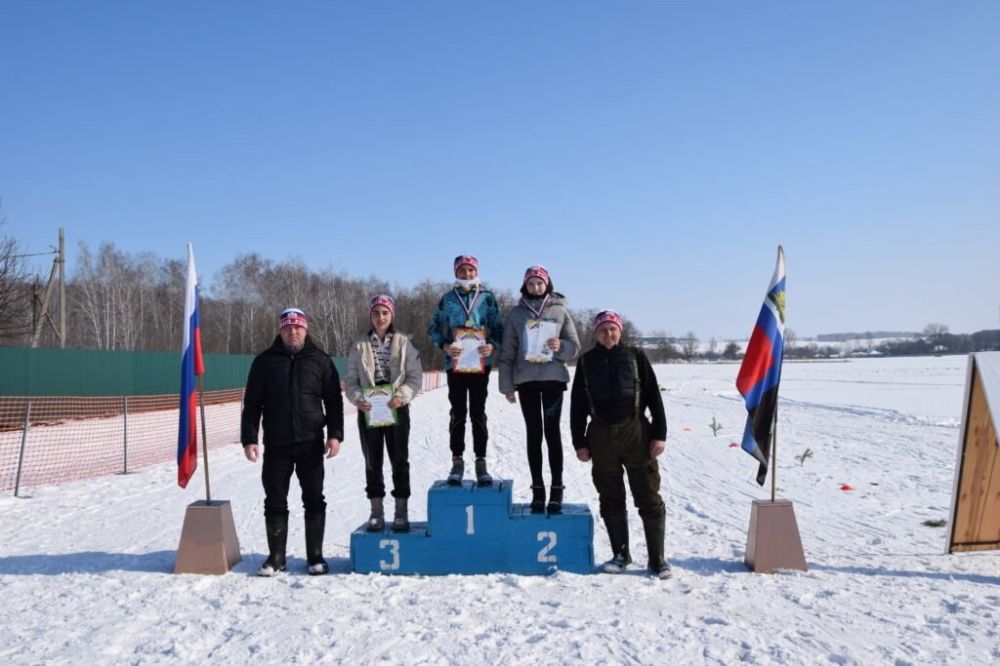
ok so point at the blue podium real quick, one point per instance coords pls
(474, 529)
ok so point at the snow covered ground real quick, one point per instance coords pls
(85, 566)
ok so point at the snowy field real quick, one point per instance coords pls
(85, 566)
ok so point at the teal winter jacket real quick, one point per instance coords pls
(451, 314)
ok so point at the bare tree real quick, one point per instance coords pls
(689, 345)
(14, 290)
(712, 348)
(935, 333)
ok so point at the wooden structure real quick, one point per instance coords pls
(975, 500)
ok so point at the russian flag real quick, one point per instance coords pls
(192, 365)
(760, 372)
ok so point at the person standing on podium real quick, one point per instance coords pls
(468, 328)
(295, 387)
(613, 387)
(383, 376)
(539, 338)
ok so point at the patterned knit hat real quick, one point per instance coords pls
(293, 317)
(384, 301)
(606, 316)
(539, 272)
(463, 259)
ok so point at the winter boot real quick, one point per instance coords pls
(376, 521)
(618, 535)
(277, 537)
(655, 528)
(315, 526)
(401, 521)
(555, 499)
(538, 498)
(457, 470)
(483, 477)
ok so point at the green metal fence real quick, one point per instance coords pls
(89, 372)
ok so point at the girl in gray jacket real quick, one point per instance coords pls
(387, 361)
(539, 338)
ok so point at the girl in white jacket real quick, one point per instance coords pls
(383, 376)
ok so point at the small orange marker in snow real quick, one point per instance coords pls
(846, 487)
(687, 429)
(733, 445)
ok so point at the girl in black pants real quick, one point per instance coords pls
(383, 365)
(539, 338)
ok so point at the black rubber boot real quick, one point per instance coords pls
(315, 526)
(376, 521)
(401, 520)
(538, 498)
(277, 538)
(618, 535)
(655, 529)
(555, 499)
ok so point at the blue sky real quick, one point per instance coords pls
(652, 155)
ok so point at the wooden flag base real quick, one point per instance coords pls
(773, 540)
(208, 539)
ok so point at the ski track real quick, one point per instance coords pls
(84, 566)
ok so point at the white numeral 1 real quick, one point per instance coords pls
(393, 546)
(470, 526)
(543, 554)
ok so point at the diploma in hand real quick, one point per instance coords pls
(470, 340)
(537, 333)
(378, 397)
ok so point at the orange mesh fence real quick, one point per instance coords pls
(52, 439)
(70, 438)
(433, 379)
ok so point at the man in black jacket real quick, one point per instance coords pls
(291, 383)
(613, 386)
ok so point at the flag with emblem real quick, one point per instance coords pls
(760, 372)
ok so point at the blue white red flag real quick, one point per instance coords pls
(192, 365)
(760, 372)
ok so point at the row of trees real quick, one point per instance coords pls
(119, 300)
(124, 301)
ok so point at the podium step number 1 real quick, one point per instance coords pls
(474, 529)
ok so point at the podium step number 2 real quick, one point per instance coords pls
(474, 529)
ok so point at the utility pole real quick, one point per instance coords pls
(62, 288)
(43, 310)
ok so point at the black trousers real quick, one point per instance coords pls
(541, 405)
(622, 448)
(467, 395)
(394, 439)
(306, 460)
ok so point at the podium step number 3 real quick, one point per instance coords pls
(474, 529)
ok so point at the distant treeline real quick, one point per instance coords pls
(119, 300)
(845, 337)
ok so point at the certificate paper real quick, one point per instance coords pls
(537, 332)
(378, 397)
(470, 340)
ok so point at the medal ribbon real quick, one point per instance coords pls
(472, 306)
(538, 312)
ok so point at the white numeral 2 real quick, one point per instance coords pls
(393, 546)
(543, 554)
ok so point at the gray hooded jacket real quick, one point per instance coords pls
(514, 369)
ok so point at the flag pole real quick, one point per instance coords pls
(204, 437)
(774, 450)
